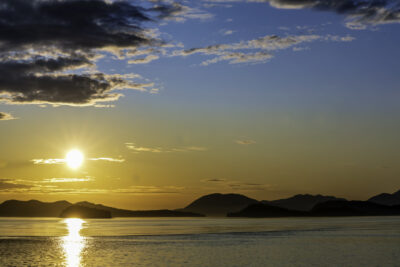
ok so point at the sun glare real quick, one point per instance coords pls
(74, 159)
(73, 243)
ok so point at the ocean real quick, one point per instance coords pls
(339, 241)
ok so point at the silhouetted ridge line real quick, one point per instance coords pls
(300, 202)
(78, 211)
(353, 208)
(387, 199)
(35, 208)
(219, 204)
(326, 209)
(232, 205)
(32, 208)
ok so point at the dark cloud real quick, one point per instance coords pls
(6, 184)
(5, 117)
(45, 44)
(360, 12)
(70, 24)
(179, 12)
(215, 180)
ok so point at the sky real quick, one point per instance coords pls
(168, 101)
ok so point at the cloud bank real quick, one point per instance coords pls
(49, 49)
(359, 13)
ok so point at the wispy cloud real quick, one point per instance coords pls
(245, 142)
(227, 32)
(229, 185)
(118, 160)
(63, 161)
(135, 148)
(150, 190)
(261, 49)
(68, 180)
(9, 184)
(180, 12)
(63, 186)
(6, 116)
(48, 161)
(144, 60)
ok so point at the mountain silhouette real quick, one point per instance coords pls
(140, 213)
(325, 209)
(219, 204)
(261, 210)
(232, 205)
(35, 208)
(387, 199)
(78, 211)
(32, 208)
(300, 202)
(353, 208)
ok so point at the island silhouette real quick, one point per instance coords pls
(216, 205)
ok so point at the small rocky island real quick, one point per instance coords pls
(78, 211)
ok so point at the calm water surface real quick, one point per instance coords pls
(355, 241)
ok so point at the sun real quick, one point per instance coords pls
(74, 158)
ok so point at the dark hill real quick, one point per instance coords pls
(139, 213)
(114, 211)
(260, 210)
(300, 202)
(387, 199)
(32, 208)
(219, 204)
(353, 208)
(77, 211)
(35, 208)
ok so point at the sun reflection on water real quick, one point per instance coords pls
(73, 243)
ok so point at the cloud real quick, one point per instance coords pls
(8, 184)
(150, 190)
(179, 12)
(214, 180)
(48, 161)
(359, 14)
(147, 59)
(188, 148)
(68, 180)
(49, 49)
(227, 32)
(63, 161)
(238, 57)
(261, 49)
(120, 160)
(133, 147)
(245, 142)
(63, 186)
(6, 116)
(229, 185)
(213, 5)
